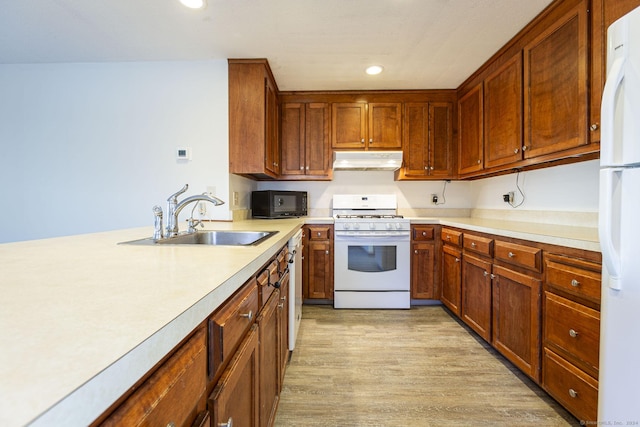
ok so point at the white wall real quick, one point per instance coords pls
(91, 147)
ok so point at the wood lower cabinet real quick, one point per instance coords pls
(305, 140)
(172, 394)
(475, 304)
(235, 398)
(318, 262)
(423, 262)
(516, 319)
(451, 270)
(571, 333)
(268, 349)
(253, 119)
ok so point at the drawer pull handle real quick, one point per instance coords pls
(573, 333)
(473, 244)
(573, 393)
(284, 298)
(248, 315)
(575, 283)
(511, 254)
(281, 305)
(229, 423)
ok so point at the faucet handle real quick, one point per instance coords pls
(175, 195)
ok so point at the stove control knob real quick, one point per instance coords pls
(398, 226)
(346, 226)
(356, 226)
(389, 226)
(372, 225)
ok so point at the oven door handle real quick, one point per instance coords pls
(400, 236)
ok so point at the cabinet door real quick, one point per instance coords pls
(440, 140)
(272, 150)
(470, 131)
(416, 139)
(283, 326)
(293, 138)
(317, 146)
(516, 319)
(476, 295)
(451, 275)
(503, 114)
(384, 128)
(235, 396)
(348, 128)
(423, 270)
(269, 372)
(556, 86)
(319, 262)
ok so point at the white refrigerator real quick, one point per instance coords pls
(619, 227)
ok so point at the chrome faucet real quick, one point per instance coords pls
(174, 208)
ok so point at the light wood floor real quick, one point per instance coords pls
(417, 367)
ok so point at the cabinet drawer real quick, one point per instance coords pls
(320, 232)
(576, 277)
(450, 236)
(421, 233)
(574, 330)
(575, 390)
(171, 394)
(520, 255)
(478, 244)
(229, 324)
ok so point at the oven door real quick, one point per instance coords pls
(372, 262)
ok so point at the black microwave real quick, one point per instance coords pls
(278, 204)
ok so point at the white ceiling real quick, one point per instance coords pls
(310, 44)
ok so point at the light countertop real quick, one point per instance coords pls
(74, 306)
(82, 317)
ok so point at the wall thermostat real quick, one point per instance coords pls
(183, 153)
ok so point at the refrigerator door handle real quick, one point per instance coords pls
(607, 111)
(608, 214)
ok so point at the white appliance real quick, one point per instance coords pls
(367, 160)
(295, 287)
(619, 228)
(371, 252)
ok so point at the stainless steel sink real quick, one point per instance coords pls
(215, 238)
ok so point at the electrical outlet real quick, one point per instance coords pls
(434, 199)
(236, 198)
(508, 198)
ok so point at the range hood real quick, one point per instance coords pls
(367, 160)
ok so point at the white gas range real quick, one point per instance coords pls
(372, 262)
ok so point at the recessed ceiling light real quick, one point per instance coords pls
(373, 70)
(193, 4)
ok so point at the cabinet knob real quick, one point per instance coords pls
(424, 233)
(415, 251)
(511, 254)
(516, 151)
(479, 161)
(284, 298)
(319, 234)
(326, 252)
(575, 283)
(457, 259)
(307, 168)
(281, 305)
(426, 168)
(486, 273)
(370, 139)
(573, 393)
(594, 126)
(448, 237)
(493, 276)
(229, 423)
(573, 333)
(171, 424)
(248, 315)
(431, 168)
(473, 244)
(301, 168)
(524, 148)
(362, 140)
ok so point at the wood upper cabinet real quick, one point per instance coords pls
(317, 280)
(516, 319)
(427, 140)
(470, 131)
(306, 150)
(372, 126)
(235, 397)
(503, 114)
(253, 119)
(556, 86)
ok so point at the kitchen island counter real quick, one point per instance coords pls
(83, 317)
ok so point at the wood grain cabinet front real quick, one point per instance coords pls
(366, 126)
(451, 273)
(470, 131)
(317, 278)
(424, 283)
(171, 395)
(475, 296)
